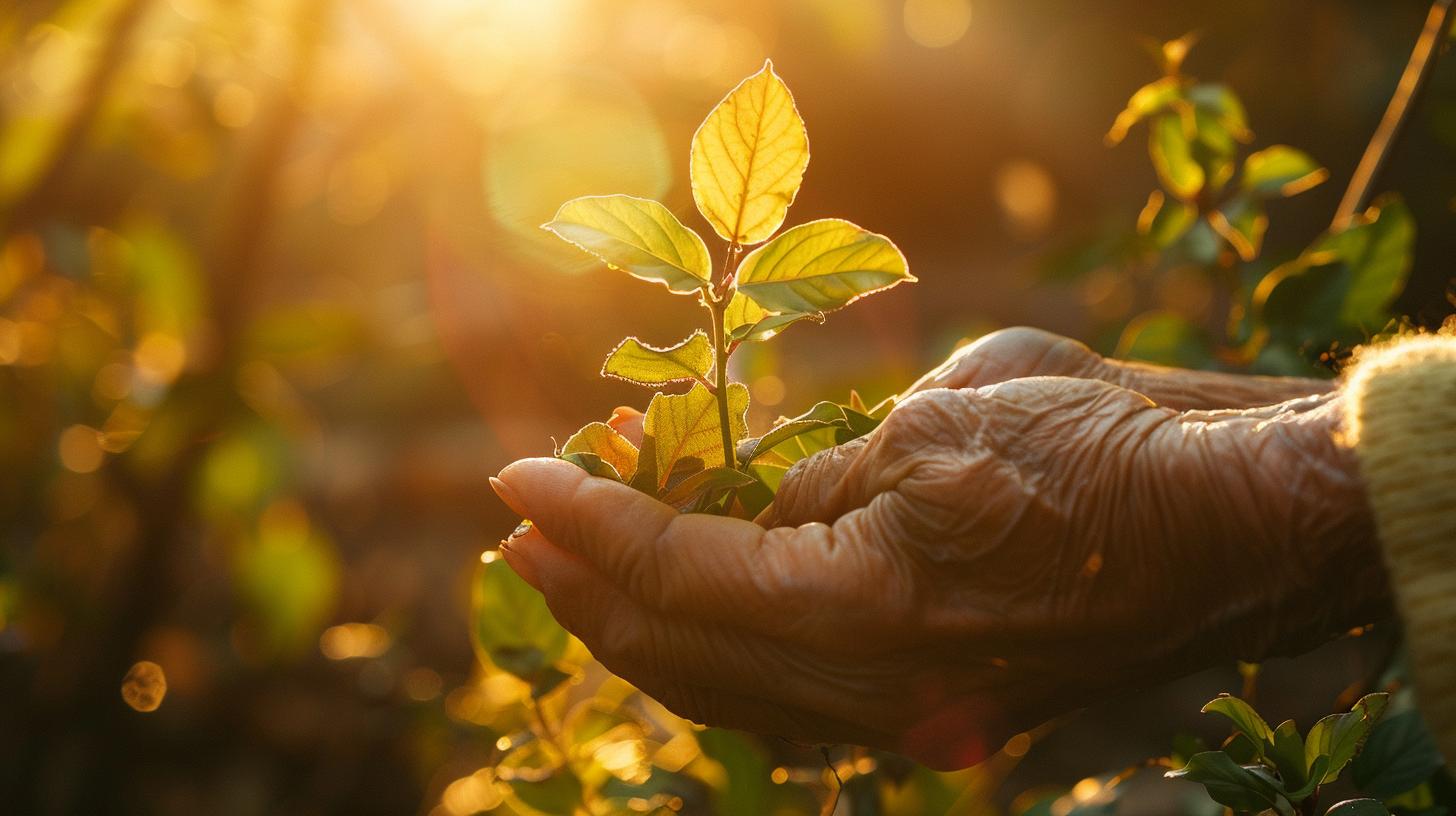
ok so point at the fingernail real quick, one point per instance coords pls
(507, 495)
(516, 556)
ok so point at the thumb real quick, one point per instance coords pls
(816, 488)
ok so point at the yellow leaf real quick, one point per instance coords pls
(636, 362)
(682, 427)
(745, 320)
(748, 159)
(820, 266)
(637, 235)
(601, 439)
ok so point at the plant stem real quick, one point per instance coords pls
(717, 302)
(1417, 70)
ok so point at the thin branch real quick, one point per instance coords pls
(1422, 61)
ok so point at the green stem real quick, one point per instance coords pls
(716, 299)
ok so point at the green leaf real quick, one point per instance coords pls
(1244, 718)
(1340, 736)
(748, 159)
(593, 464)
(1344, 283)
(636, 362)
(1281, 171)
(1146, 101)
(559, 793)
(603, 441)
(1164, 221)
(705, 484)
(637, 235)
(1235, 786)
(1171, 150)
(1242, 222)
(746, 786)
(1358, 807)
(1288, 755)
(1241, 749)
(820, 266)
(744, 320)
(684, 428)
(1399, 755)
(822, 415)
(1224, 105)
(512, 627)
(1312, 781)
(1165, 338)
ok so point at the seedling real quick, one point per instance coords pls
(747, 161)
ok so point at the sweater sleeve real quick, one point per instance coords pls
(1402, 399)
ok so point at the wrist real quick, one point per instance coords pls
(1317, 514)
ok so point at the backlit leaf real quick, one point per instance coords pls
(1146, 101)
(1244, 718)
(684, 427)
(1171, 150)
(638, 236)
(636, 362)
(1340, 736)
(1281, 171)
(745, 320)
(748, 159)
(1358, 807)
(602, 440)
(820, 266)
(1288, 755)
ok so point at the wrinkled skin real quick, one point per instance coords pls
(1025, 534)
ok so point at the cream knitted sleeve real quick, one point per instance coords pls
(1402, 399)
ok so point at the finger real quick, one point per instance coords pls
(808, 584)
(1019, 352)
(628, 422)
(1009, 354)
(654, 652)
(1184, 390)
(812, 488)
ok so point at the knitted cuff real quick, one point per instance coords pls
(1402, 398)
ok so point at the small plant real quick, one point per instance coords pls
(1273, 770)
(747, 162)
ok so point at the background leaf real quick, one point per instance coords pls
(637, 235)
(1171, 150)
(1281, 171)
(511, 625)
(1399, 755)
(748, 159)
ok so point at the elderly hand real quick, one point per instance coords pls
(988, 558)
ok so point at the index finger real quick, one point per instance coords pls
(788, 581)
